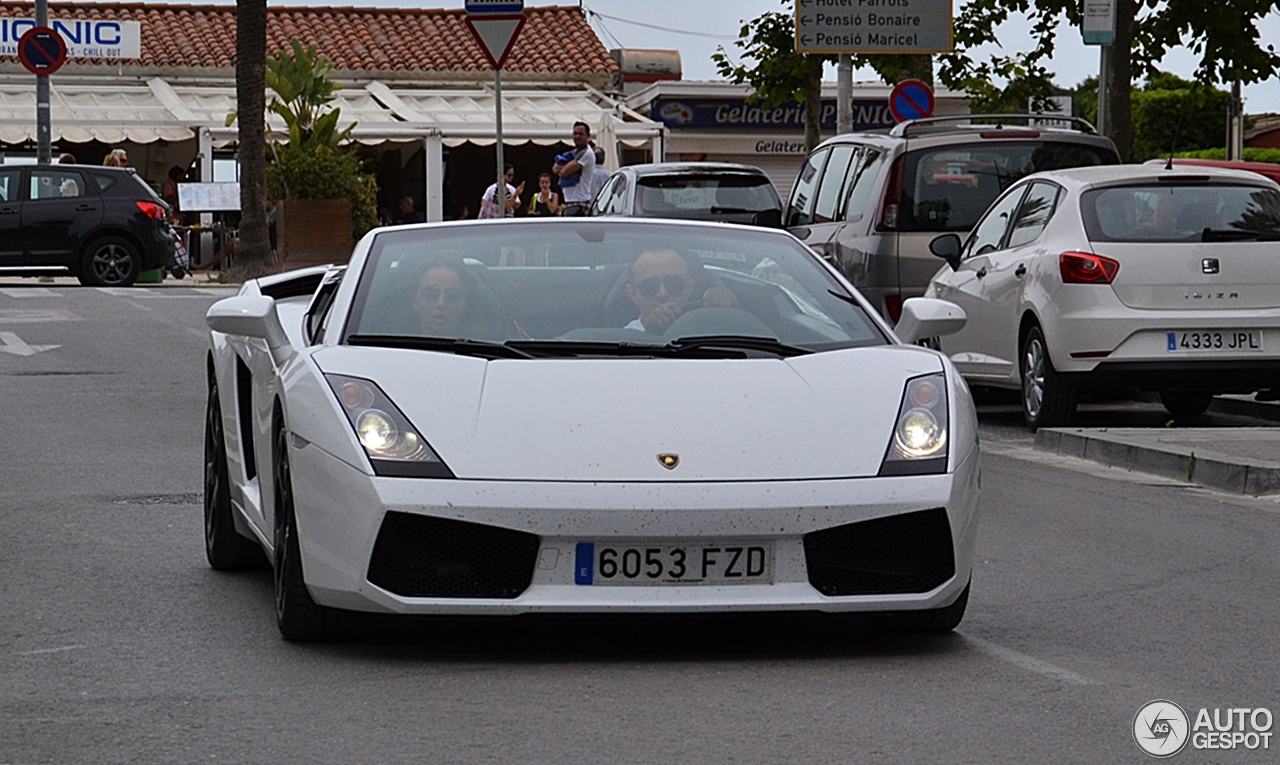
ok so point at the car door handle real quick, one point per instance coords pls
(8, 211)
(1021, 270)
(85, 208)
(981, 272)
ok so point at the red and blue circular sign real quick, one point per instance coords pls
(911, 100)
(42, 50)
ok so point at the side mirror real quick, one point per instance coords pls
(767, 218)
(947, 247)
(928, 317)
(250, 316)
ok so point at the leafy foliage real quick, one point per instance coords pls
(1251, 154)
(313, 163)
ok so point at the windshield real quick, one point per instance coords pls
(948, 189)
(1181, 213)
(724, 193)
(550, 287)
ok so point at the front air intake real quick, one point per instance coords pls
(909, 553)
(417, 556)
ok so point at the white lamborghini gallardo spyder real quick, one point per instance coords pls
(587, 415)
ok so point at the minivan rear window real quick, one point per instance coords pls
(949, 188)
(1181, 213)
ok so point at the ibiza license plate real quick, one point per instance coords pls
(663, 563)
(1210, 340)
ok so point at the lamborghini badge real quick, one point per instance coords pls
(669, 460)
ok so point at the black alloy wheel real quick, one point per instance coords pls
(297, 614)
(110, 262)
(1047, 399)
(225, 548)
(1185, 404)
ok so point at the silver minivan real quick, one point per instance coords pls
(870, 203)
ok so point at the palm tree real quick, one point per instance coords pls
(253, 253)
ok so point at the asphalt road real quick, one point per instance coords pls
(1095, 592)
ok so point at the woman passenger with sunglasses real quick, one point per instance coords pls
(447, 301)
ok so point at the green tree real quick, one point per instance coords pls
(1224, 36)
(312, 163)
(253, 252)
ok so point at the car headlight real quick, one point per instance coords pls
(392, 443)
(919, 443)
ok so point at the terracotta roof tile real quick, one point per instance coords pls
(555, 38)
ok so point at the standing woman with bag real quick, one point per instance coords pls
(546, 202)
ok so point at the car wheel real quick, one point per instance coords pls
(1186, 403)
(110, 262)
(1047, 399)
(297, 614)
(225, 548)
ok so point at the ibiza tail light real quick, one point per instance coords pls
(1086, 268)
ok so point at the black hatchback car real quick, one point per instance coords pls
(715, 191)
(102, 224)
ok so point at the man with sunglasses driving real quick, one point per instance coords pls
(662, 285)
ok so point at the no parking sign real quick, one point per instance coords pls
(911, 100)
(42, 50)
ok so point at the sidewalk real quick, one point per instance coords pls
(1238, 460)
(198, 279)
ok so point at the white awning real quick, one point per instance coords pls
(105, 110)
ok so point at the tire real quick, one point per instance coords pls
(1185, 404)
(298, 616)
(110, 262)
(1047, 399)
(225, 548)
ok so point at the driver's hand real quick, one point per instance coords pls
(662, 317)
(719, 297)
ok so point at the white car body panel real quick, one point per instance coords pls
(771, 449)
(1159, 288)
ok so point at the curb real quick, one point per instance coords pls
(1246, 406)
(1131, 449)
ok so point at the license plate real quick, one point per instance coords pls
(660, 563)
(1228, 340)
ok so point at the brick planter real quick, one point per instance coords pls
(312, 232)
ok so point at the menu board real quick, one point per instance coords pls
(208, 197)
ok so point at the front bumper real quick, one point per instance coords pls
(340, 512)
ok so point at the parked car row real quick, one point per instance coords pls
(103, 225)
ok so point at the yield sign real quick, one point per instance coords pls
(496, 34)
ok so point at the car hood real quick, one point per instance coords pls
(824, 415)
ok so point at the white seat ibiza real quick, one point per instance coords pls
(1127, 276)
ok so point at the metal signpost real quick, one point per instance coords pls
(495, 24)
(42, 52)
(1098, 26)
(850, 27)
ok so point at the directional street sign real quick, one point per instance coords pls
(481, 7)
(42, 50)
(911, 100)
(873, 26)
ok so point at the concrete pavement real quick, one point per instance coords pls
(1238, 460)
(198, 279)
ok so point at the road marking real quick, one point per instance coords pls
(34, 315)
(30, 292)
(1029, 663)
(169, 293)
(11, 343)
(60, 649)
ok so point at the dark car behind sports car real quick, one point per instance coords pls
(710, 191)
(104, 225)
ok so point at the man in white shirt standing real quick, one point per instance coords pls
(575, 169)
